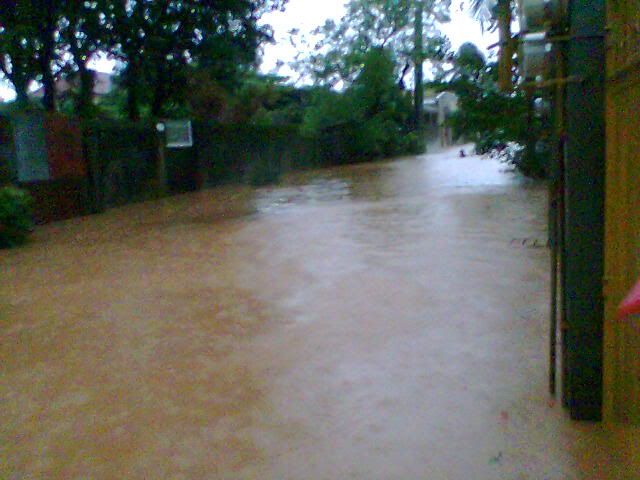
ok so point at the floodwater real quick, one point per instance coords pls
(383, 321)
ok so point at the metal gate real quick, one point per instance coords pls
(622, 233)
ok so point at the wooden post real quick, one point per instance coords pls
(161, 172)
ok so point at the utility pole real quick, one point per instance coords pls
(418, 94)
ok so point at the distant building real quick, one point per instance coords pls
(437, 110)
(104, 84)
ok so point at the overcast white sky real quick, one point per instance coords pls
(308, 14)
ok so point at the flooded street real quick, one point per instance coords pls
(375, 322)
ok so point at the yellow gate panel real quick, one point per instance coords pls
(622, 235)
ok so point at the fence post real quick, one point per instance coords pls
(161, 172)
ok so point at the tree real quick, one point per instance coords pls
(499, 123)
(83, 33)
(17, 49)
(338, 56)
(369, 118)
(499, 13)
(46, 15)
(469, 62)
(28, 45)
(159, 41)
(41, 40)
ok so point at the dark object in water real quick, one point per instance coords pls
(462, 154)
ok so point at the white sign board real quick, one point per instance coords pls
(179, 133)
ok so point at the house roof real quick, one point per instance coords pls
(104, 83)
(435, 104)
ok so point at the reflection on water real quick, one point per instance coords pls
(403, 179)
(317, 190)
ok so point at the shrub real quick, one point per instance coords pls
(502, 125)
(16, 217)
(368, 120)
(529, 163)
(414, 143)
(262, 172)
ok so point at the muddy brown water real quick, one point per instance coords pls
(382, 321)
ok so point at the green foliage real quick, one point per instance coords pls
(469, 62)
(252, 153)
(161, 41)
(82, 33)
(532, 163)
(262, 171)
(157, 44)
(339, 54)
(261, 100)
(264, 100)
(16, 217)
(206, 98)
(498, 14)
(491, 118)
(26, 42)
(500, 124)
(366, 121)
(414, 143)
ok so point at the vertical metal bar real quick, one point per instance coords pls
(562, 267)
(553, 328)
(556, 219)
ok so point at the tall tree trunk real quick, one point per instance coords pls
(22, 98)
(159, 91)
(505, 63)
(132, 80)
(49, 84)
(87, 84)
(418, 94)
(46, 61)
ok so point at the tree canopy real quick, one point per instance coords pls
(500, 123)
(469, 62)
(156, 43)
(337, 56)
(372, 113)
(499, 15)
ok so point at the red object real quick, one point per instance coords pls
(64, 146)
(631, 304)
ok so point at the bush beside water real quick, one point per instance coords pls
(16, 216)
